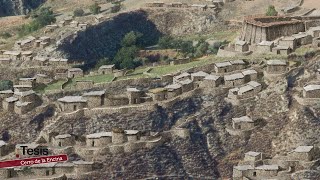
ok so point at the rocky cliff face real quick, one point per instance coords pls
(183, 21)
(18, 7)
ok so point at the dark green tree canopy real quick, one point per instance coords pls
(131, 39)
(125, 57)
(78, 12)
(44, 16)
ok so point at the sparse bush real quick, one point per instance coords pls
(168, 42)
(309, 54)
(95, 8)
(216, 45)
(116, 8)
(186, 47)
(165, 42)
(41, 18)
(117, 130)
(5, 85)
(44, 16)
(271, 11)
(78, 12)
(201, 48)
(5, 35)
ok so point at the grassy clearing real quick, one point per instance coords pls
(55, 85)
(228, 35)
(96, 79)
(58, 84)
(162, 70)
(133, 76)
(138, 73)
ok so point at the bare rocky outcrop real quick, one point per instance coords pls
(183, 21)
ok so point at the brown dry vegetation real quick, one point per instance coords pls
(311, 4)
(10, 25)
(238, 9)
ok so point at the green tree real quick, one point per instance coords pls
(5, 85)
(271, 11)
(131, 39)
(95, 8)
(78, 12)
(186, 47)
(44, 16)
(40, 18)
(125, 57)
(202, 49)
(166, 42)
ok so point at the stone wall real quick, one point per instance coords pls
(311, 94)
(81, 85)
(116, 100)
(125, 109)
(115, 87)
(258, 29)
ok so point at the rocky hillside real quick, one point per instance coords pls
(18, 7)
(211, 151)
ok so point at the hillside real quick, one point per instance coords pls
(12, 7)
(200, 103)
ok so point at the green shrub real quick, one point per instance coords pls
(125, 57)
(166, 42)
(95, 8)
(44, 16)
(116, 8)
(5, 85)
(271, 11)
(40, 18)
(5, 35)
(202, 48)
(78, 12)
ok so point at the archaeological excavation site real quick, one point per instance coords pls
(171, 89)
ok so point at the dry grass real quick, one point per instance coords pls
(310, 4)
(238, 9)
(10, 25)
(11, 21)
(68, 5)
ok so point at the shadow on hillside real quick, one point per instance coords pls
(104, 40)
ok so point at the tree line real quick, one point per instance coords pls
(127, 57)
